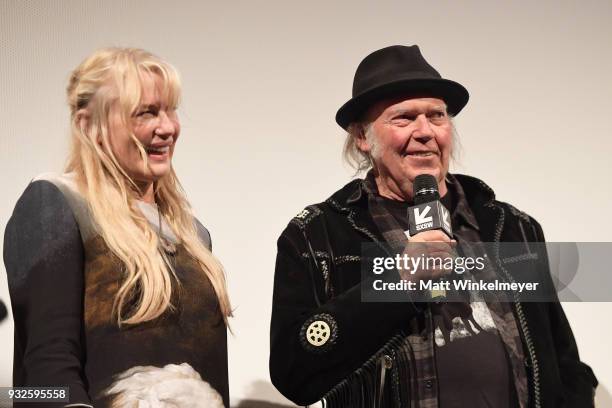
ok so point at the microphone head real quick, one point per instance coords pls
(425, 189)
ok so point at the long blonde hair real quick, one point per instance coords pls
(113, 76)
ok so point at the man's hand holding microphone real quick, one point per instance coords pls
(430, 235)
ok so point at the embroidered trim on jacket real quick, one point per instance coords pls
(305, 216)
(338, 260)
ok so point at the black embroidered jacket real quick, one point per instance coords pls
(327, 344)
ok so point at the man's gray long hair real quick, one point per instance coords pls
(362, 161)
(357, 159)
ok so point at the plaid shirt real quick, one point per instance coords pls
(418, 346)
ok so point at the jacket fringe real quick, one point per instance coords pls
(368, 386)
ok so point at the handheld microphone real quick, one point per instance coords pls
(428, 213)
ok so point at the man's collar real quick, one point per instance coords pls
(462, 208)
(359, 193)
(365, 187)
(359, 189)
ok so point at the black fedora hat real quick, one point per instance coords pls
(394, 71)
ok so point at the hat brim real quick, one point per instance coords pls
(454, 94)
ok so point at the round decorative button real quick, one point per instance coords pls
(318, 333)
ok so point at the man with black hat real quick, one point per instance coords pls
(327, 344)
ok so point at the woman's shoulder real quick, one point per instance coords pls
(42, 226)
(47, 190)
(65, 180)
(49, 197)
(64, 184)
(203, 233)
(53, 190)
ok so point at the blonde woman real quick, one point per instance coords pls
(109, 272)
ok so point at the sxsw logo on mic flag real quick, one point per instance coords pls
(429, 216)
(421, 219)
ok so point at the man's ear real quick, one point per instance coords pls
(360, 138)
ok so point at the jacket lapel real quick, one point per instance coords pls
(481, 199)
(352, 202)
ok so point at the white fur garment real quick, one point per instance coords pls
(173, 386)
